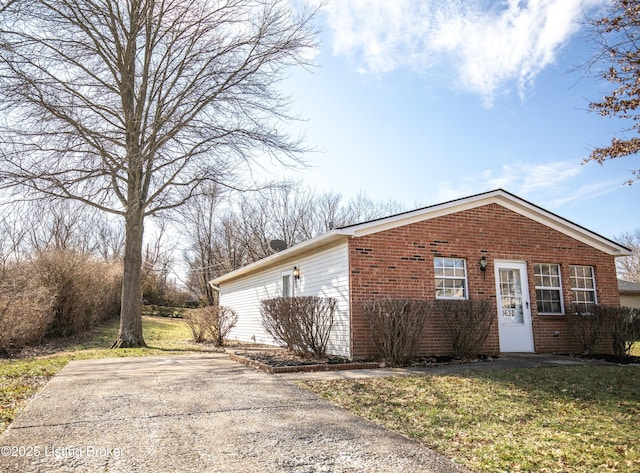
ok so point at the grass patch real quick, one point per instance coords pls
(21, 378)
(564, 419)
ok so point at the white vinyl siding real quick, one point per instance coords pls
(323, 273)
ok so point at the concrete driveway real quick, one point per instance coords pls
(197, 414)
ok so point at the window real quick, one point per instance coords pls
(583, 284)
(287, 284)
(451, 278)
(548, 288)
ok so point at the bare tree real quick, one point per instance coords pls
(60, 225)
(130, 106)
(361, 209)
(109, 239)
(64, 225)
(629, 266)
(12, 234)
(618, 36)
(226, 231)
(210, 251)
(329, 213)
(6, 4)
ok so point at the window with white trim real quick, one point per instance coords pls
(583, 284)
(287, 284)
(451, 278)
(548, 288)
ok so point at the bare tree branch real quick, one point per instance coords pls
(131, 107)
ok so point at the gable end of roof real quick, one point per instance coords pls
(499, 197)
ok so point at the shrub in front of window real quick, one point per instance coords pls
(468, 325)
(587, 323)
(302, 324)
(396, 327)
(211, 323)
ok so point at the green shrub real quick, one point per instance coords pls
(163, 311)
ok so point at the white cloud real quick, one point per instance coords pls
(551, 185)
(489, 46)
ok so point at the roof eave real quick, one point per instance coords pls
(505, 199)
(284, 255)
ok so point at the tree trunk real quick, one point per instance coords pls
(130, 334)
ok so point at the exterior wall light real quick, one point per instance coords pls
(296, 273)
(483, 264)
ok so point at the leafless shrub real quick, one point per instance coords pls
(468, 324)
(396, 327)
(587, 323)
(197, 323)
(25, 310)
(590, 323)
(225, 319)
(84, 291)
(56, 293)
(211, 323)
(302, 324)
(279, 320)
(624, 326)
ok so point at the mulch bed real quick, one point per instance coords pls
(621, 360)
(282, 361)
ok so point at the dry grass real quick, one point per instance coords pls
(565, 419)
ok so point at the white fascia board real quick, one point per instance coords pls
(284, 255)
(566, 227)
(504, 199)
(415, 216)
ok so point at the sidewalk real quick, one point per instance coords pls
(506, 361)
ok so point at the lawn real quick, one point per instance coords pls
(564, 419)
(21, 378)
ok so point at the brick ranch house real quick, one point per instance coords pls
(531, 263)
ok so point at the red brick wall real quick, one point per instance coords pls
(399, 263)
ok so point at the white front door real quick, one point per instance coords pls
(514, 311)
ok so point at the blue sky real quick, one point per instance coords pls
(423, 101)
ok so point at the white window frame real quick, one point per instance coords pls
(538, 273)
(575, 288)
(454, 277)
(287, 276)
